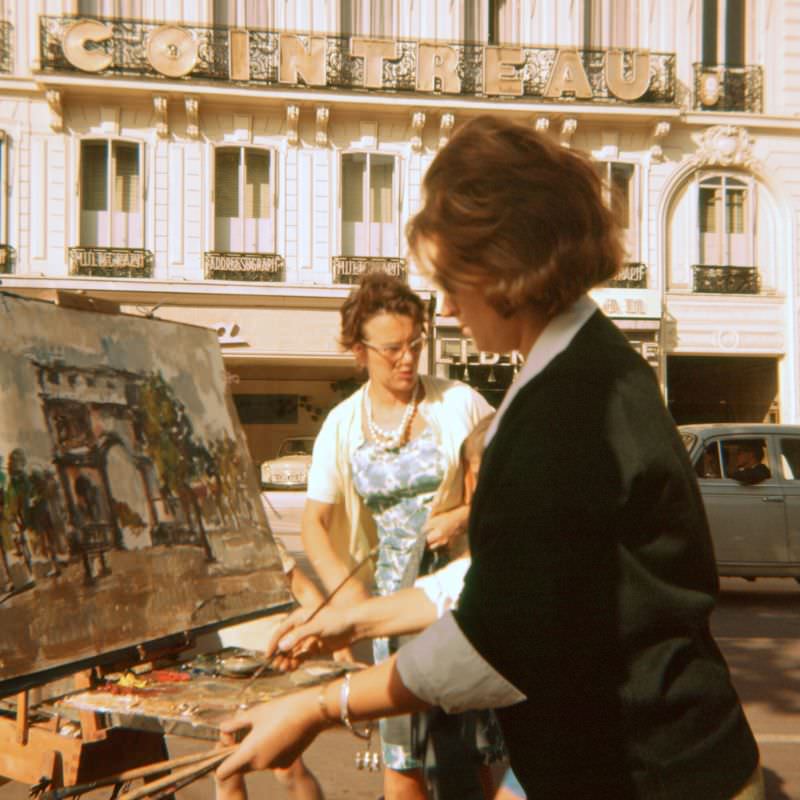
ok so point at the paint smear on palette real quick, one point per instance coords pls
(129, 508)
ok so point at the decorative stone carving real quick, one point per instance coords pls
(322, 116)
(162, 123)
(417, 124)
(725, 146)
(660, 132)
(56, 110)
(192, 117)
(446, 128)
(292, 120)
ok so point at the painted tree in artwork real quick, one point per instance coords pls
(168, 435)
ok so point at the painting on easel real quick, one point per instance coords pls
(129, 510)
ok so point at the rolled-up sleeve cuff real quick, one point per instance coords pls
(442, 668)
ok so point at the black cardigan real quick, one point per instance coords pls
(591, 586)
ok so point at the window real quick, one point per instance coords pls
(505, 21)
(790, 459)
(369, 205)
(617, 178)
(124, 9)
(726, 237)
(375, 18)
(244, 219)
(244, 13)
(744, 460)
(610, 23)
(708, 465)
(111, 197)
(724, 33)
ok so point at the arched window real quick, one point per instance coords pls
(722, 236)
(725, 221)
(244, 208)
(111, 194)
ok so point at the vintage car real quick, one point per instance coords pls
(289, 468)
(749, 476)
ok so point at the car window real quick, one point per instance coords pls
(745, 460)
(790, 459)
(708, 465)
(293, 447)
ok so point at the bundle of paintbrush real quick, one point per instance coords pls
(182, 771)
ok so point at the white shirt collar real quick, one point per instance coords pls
(554, 339)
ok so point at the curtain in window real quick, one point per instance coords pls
(383, 231)
(94, 194)
(227, 230)
(126, 9)
(126, 216)
(243, 217)
(355, 235)
(257, 206)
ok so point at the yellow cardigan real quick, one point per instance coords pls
(452, 408)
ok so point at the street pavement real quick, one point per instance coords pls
(756, 624)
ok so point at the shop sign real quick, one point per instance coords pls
(243, 266)
(629, 303)
(349, 269)
(109, 260)
(174, 51)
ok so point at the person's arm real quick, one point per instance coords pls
(443, 527)
(407, 611)
(280, 730)
(315, 534)
(304, 589)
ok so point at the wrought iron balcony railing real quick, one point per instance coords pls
(725, 279)
(6, 38)
(127, 54)
(349, 269)
(6, 259)
(722, 88)
(633, 275)
(111, 262)
(221, 266)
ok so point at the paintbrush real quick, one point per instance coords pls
(266, 665)
(179, 778)
(133, 774)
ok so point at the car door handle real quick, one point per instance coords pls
(772, 499)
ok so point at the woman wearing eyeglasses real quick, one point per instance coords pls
(386, 470)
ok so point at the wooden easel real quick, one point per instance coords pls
(35, 751)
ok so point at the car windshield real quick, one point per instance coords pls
(296, 447)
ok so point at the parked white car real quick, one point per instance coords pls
(289, 468)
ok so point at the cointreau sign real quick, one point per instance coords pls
(329, 61)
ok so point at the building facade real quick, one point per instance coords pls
(239, 164)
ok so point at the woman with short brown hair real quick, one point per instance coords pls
(584, 618)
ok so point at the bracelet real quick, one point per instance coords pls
(344, 713)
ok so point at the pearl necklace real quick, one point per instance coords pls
(390, 440)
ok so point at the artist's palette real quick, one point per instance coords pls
(193, 704)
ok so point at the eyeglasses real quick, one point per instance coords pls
(394, 352)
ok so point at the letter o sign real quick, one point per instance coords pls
(172, 51)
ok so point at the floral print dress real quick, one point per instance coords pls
(398, 487)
